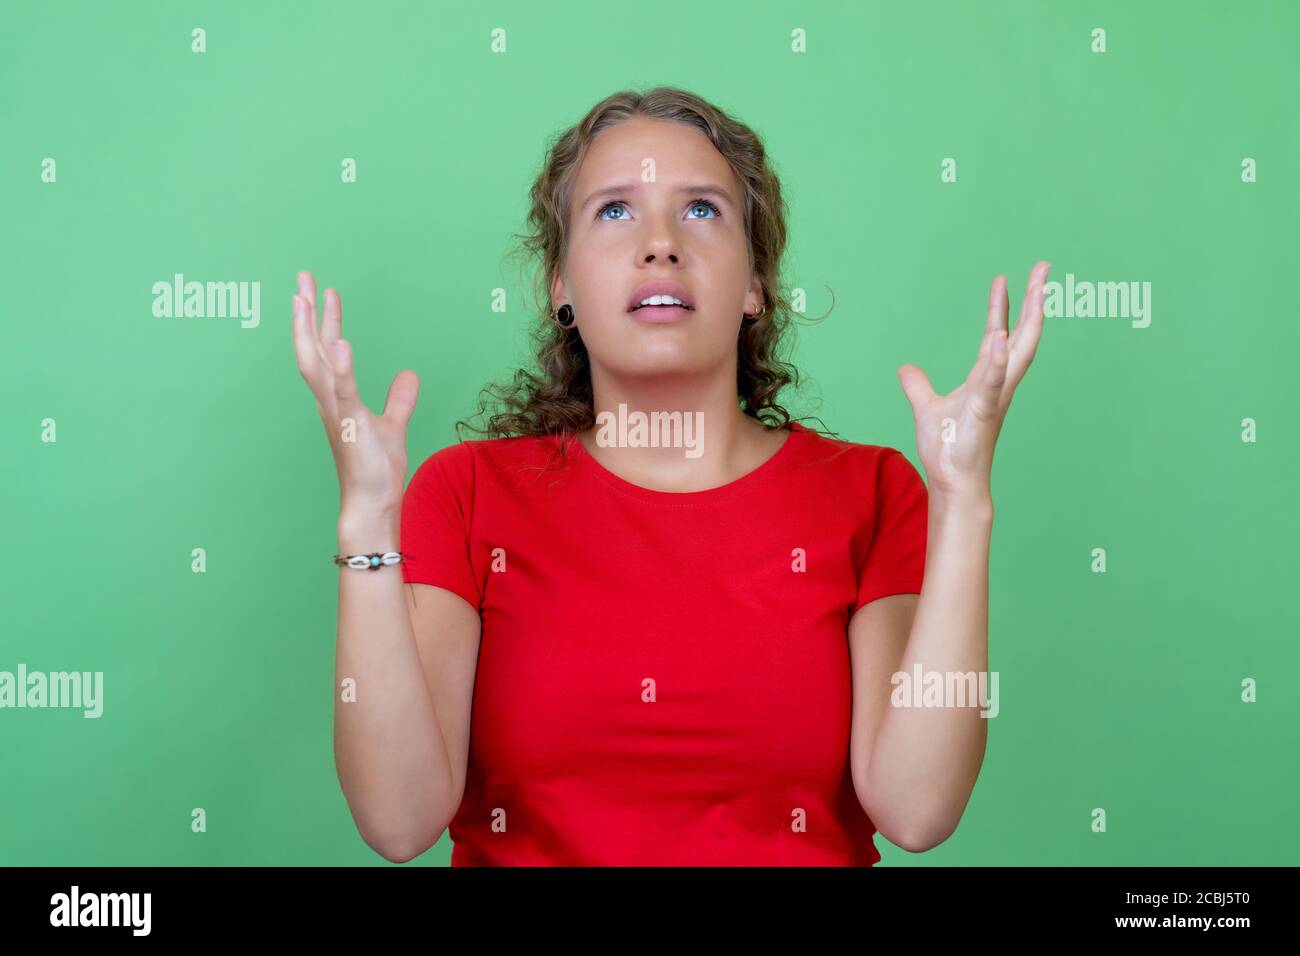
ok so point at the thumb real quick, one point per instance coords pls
(916, 385)
(401, 397)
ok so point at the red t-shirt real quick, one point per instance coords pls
(663, 677)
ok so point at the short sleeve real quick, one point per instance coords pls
(895, 559)
(437, 511)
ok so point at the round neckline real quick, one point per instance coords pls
(754, 475)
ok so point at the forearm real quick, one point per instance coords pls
(388, 748)
(926, 758)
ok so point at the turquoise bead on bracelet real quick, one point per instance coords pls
(372, 562)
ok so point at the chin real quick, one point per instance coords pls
(662, 363)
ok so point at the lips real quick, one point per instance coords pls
(660, 287)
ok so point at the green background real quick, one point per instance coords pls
(1118, 690)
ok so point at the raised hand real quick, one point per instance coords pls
(369, 450)
(955, 433)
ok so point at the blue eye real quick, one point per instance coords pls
(600, 213)
(704, 202)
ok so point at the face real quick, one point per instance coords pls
(677, 229)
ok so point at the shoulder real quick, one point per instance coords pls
(859, 466)
(469, 462)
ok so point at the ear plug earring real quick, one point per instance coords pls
(566, 319)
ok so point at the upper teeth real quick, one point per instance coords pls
(662, 300)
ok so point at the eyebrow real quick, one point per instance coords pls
(701, 189)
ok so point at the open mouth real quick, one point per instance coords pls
(661, 313)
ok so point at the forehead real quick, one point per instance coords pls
(680, 153)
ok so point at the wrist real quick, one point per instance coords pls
(363, 530)
(974, 504)
(355, 508)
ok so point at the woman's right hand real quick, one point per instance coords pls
(369, 450)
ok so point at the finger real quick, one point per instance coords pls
(311, 359)
(997, 318)
(975, 377)
(307, 289)
(916, 385)
(976, 373)
(1037, 277)
(986, 396)
(345, 383)
(1021, 355)
(401, 397)
(332, 320)
(1029, 330)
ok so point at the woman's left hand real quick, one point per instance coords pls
(955, 433)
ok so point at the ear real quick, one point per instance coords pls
(755, 302)
(558, 291)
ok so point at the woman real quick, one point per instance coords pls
(650, 619)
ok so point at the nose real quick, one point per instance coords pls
(660, 241)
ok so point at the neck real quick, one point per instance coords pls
(677, 434)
